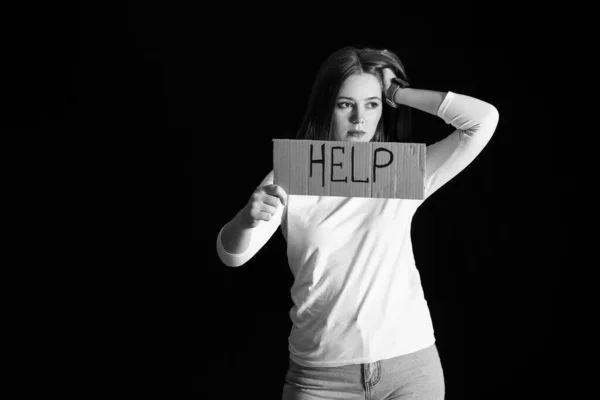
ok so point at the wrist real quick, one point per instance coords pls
(398, 96)
(396, 86)
(240, 221)
(390, 94)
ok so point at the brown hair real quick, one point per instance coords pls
(316, 124)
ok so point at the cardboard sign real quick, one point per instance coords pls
(350, 169)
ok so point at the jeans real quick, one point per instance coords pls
(417, 375)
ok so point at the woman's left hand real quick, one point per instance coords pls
(388, 75)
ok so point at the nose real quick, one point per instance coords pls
(358, 116)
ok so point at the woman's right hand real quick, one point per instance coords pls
(263, 204)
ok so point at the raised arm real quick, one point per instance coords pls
(475, 122)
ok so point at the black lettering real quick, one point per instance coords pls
(375, 165)
(337, 165)
(352, 160)
(321, 161)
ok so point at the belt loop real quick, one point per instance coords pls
(372, 373)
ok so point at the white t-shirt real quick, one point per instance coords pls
(357, 292)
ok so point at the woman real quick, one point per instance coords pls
(361, 327)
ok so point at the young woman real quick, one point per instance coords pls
(361, 326)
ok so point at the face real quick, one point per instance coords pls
(358, 109)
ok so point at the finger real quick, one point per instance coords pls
(271, 200)
(264, 216)
(269, 209)
(268, 198)
(277, 191)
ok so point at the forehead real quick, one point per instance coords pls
(360, 86)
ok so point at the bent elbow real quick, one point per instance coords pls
(492, 117)
(232, 263)
(486, 125)
(230, 260)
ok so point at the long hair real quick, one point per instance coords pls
(347, 61)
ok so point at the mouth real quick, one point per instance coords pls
(356, 133)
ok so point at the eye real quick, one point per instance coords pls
(344, 104)
(373, 104)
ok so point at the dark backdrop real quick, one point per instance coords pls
(229, 81)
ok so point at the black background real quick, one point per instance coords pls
(227, 81)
